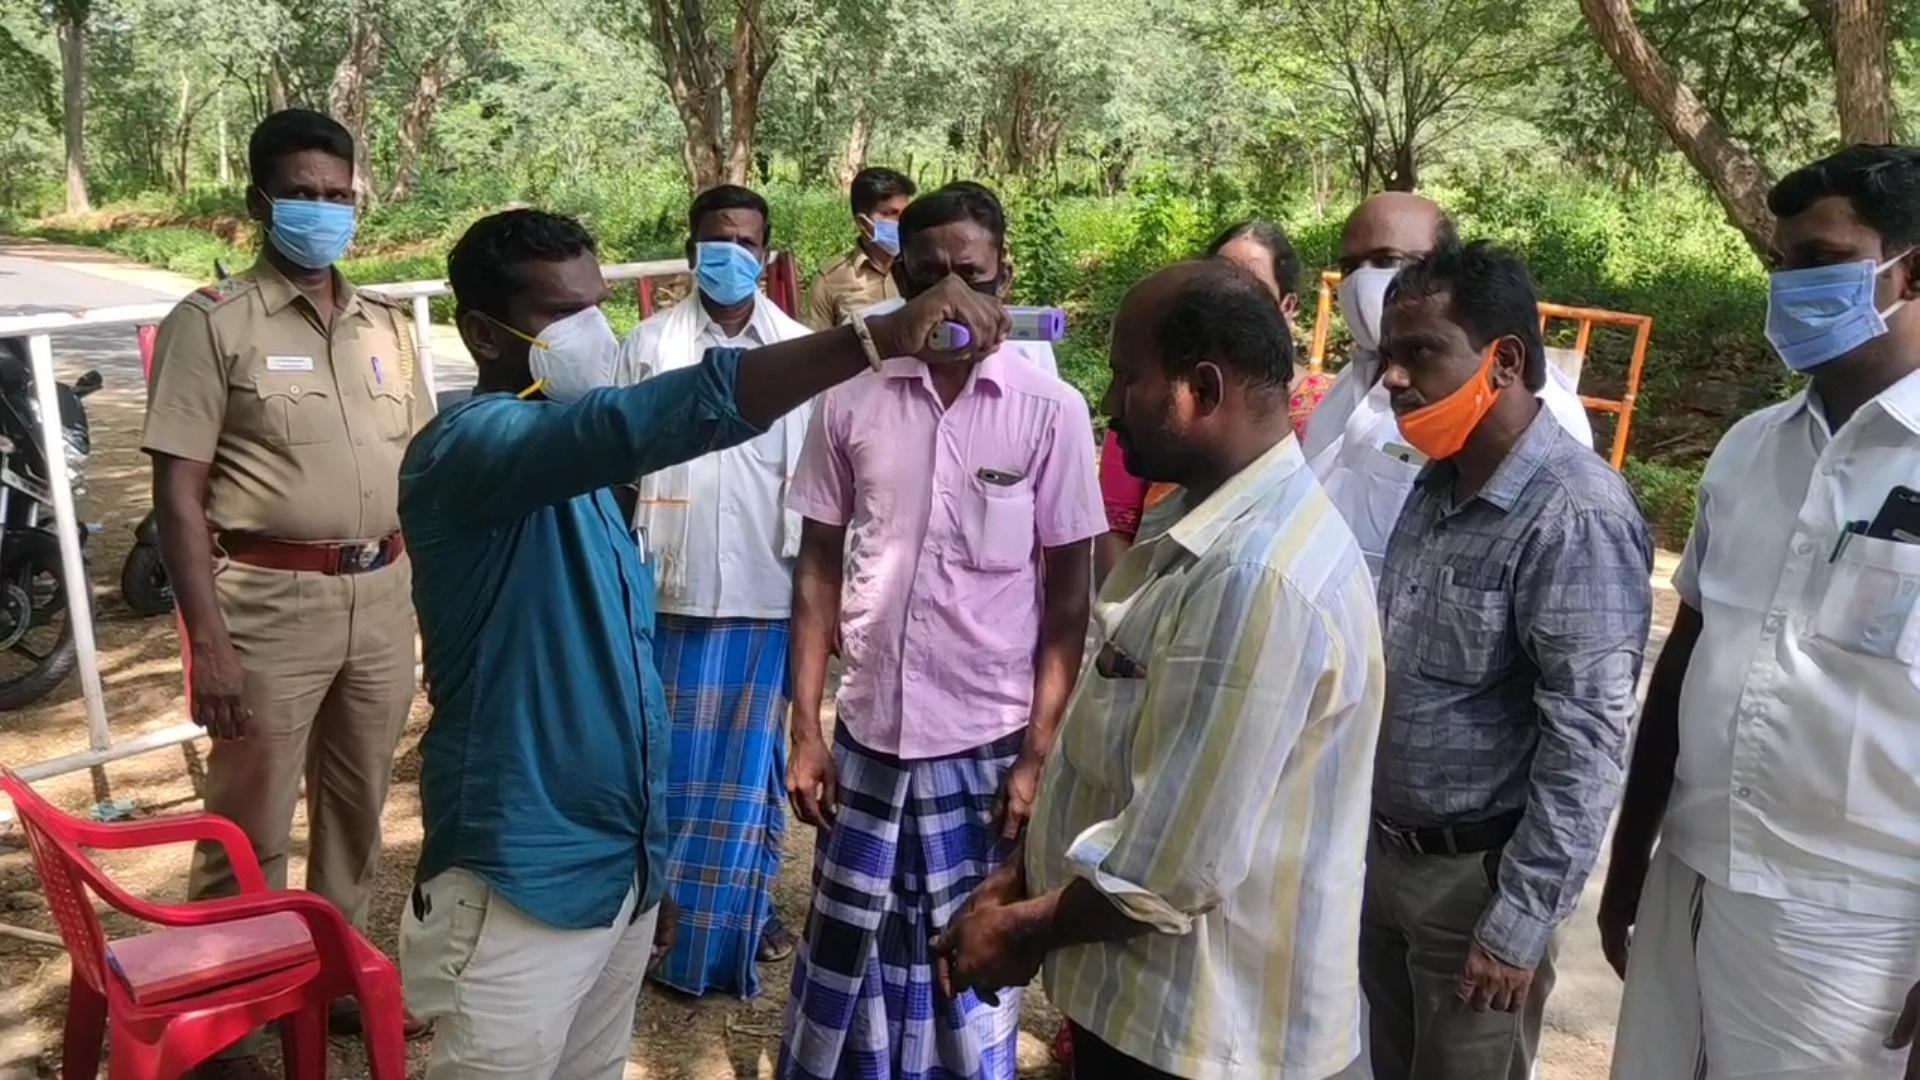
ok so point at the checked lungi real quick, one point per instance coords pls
(726, 683)
(911, 841)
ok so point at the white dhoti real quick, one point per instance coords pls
(1727, 986)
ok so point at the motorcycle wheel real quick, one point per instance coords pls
(36, 628)
(143, 581)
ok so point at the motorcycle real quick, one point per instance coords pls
(36, 626)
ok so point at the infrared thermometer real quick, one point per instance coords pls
(1029, 324)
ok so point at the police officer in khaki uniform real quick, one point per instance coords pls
(281, 404)
(863, 277)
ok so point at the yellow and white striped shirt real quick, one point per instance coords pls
(1212, 779)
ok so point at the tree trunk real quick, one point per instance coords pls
(276, 87)
(415, 122)
(71, 32)
(183, 134)
(855, 157)
(752, 58)
(347, 97)
(1862, 82)
(220, 136)
(1738, 179)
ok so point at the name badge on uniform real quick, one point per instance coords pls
(289, 363)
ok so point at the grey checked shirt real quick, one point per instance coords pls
(1515, 624)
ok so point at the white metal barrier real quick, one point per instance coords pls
(39, 329)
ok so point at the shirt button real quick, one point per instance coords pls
(1803, 549)
(1744, 793)
(913, 676)
(357, 441)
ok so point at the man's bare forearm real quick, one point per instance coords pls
(816, 611)
(1077, 914)
(1063, 638)
(1656, 748)
(186, 546)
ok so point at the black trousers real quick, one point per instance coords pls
(1095, 1060)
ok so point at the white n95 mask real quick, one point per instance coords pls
(575, 355)
(1363, 297)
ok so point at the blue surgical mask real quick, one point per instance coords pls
(886, 235)
(309, 233)
(726, 271)
(1821, 313)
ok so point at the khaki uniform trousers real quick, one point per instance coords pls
(330, 677)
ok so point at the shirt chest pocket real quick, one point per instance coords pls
(290, 409)
(391, 416)
(996, 523)
(1097, 737)
(1870, 602)
(1463, 633)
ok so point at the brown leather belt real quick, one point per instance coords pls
(354, 558)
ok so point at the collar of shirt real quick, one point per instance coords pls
(276, 292)
(749, 335)
(992, 371)
(1200, 527)
(1507, 481)
(1901, 401)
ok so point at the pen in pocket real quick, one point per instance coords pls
(1847, 534)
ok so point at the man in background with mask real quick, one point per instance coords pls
(1351, 440)
(721, 542)
(946, 546)
(1514, 602)
(282, 401)
(541, 886)
(863, 277)
(1776, 929)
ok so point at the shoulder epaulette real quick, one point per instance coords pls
(209, 297)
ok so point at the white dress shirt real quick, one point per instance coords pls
(724, 549)
(1799, 769)
(1354, 445)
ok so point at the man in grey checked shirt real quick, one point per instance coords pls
(1515, 603)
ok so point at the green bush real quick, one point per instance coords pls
(1668, 496)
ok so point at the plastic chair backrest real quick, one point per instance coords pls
(58, 858)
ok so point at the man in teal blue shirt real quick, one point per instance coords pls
(537, 899)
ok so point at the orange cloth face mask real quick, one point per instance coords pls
(1440, 429)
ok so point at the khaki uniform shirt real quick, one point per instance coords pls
(304, 427)
(844, 286)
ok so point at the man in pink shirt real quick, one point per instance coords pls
(947, 545)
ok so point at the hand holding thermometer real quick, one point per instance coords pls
(1028, 324)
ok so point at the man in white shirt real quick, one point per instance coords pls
(722, 545)
(1353, 442)
(1776, 930)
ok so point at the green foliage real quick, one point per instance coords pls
(1668, 496)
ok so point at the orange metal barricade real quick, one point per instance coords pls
(1586, 318)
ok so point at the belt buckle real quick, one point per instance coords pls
(359, 558)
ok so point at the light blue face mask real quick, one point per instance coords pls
(727, 272)
(1821, 313)
(886, 235)
(309, 233)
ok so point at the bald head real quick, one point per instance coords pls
(1391, 229)
(1200, 359)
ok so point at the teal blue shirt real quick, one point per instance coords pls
(544, 765)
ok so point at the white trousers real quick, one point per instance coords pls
(512, 998)
(1727, 986)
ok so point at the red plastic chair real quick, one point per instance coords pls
(219, 969)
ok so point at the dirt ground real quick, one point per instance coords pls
(675, 1037)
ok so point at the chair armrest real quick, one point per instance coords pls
(178, 829)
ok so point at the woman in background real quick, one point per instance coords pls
(1263, 250)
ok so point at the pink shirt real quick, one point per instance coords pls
(945, 510)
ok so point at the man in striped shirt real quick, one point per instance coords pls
(1193, 870)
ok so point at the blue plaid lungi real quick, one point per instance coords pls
(911, 841)
(726, 682)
